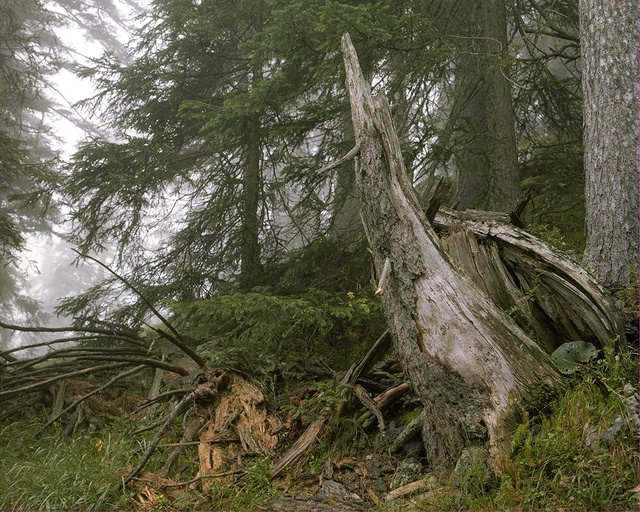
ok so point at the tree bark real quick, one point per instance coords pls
(469, 363)
(548, 294)
(609, 47)
(250, 265)
(486, 161)
(250, 249)
(504, 189)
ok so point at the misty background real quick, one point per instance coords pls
(47, 269)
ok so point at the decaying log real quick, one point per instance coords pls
(238, 424)
(467, 360)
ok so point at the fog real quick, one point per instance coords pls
(48, 269)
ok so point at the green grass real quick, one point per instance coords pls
(249, 492)
(553, 466)
(52, 472)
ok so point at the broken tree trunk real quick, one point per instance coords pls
(468, 361)
(546, 292)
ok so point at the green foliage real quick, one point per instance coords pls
(265, 332)
(549, 234)
(250, 491)
(326, 263)
(24, 156)
(571, 354)
(324, 395)
(629, 297)
(563, 459)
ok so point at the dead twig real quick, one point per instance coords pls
(202, 477)
(180, 407)
(307, 439)
(4, 395)
(150, 402)
(365, 400)
(351, 154)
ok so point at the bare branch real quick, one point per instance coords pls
(159, 435)
(351, 154)
(4, 395)
(175, 337)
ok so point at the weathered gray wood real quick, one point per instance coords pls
(517, 270)
(469, 362)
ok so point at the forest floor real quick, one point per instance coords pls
(576, 452)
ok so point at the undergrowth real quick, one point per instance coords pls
(53, 472)
(581, 455)
(268, 333)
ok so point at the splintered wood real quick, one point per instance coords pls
(239, 426)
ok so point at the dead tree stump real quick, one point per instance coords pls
(471, 365)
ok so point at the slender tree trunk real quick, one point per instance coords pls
(469, 363)
(346, 223)
(500, 118)
(609, 47)
(250, 251)
(487, 163)
(250, 265)
(472, 163)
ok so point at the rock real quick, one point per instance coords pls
(473, 461)
(631, 403)
(335, 491)
(406, 472)
(589, 434)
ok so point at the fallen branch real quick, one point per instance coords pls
(414, 426)
(180, 407)
(202, 477)
(147, 428)
(70, 352)
(153, 363)
(150, 402)
(4, 395)
(130, 335)
(365, 400)
(190, 432)
(306, 440)
(174, 338)
(385, 399)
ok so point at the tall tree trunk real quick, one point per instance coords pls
(346, 223)
(500, 118)
(250, 249)
(609, 47)
(469, 363)
(250, 265)
(487, 161)
(472, 163)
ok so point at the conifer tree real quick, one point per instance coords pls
(222, 117)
